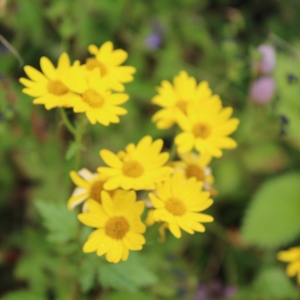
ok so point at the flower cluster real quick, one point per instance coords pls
(205, 124)
(176, 191)
(94, 87)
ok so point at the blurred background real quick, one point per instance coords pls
(249, 52)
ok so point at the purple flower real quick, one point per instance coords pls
(268, 60)
(154, 40)
(262, 90)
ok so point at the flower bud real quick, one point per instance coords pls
(268, 60)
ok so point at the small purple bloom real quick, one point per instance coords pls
(230, 291)
(262, 90)
(268, 60)
(154, 40)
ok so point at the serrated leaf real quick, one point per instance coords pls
(272, 219)
(128, 276)
(61, 223)
(23, 294)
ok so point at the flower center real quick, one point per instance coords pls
(194, 171)
(117, 227)
(202, 130)
(92, 98)
(56, 87)
(92, 63)
(95, 190)
(182, 105)
(132, 168)
(175, 207)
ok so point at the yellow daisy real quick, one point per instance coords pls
(139, 168)
(292, 256)
(179, 202)
(176, 97)
(195, 165)
(96, 100)
(89, 186)
(206, 127)
(118, 223)
(108, 61)
(48, 88)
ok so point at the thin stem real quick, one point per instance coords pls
(67, 122)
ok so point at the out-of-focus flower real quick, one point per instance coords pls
(48, 88)
(267, 63)
(206, 127)
(139, 168)
(179, 203)
(291, 256)
(214, 290)
(195, 165)
(262, 90)
(89, 186)
(175, 97)
(153, 40)
(109, 61)
(118, 223)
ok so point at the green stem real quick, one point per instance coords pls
(66, 121)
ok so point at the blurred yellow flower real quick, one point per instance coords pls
(179, 202)
(206, 127)
(195, 165)
(292, 256)
(96, 98)
(89, 186)
(48, 88)
(118, 223)
(108, 61)
(176, 97)
(139, 168)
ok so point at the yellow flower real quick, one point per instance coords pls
(292, 256)
(195, 165)
(108, 61)
(118, 223)
(89, 186)
(176, 97)
(206, 127)
(139, 168)
(48, 88)
(179, 202)
(96, 100)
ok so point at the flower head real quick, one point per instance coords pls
(206, 127)
(108, 61)
(139, 168)
(173, 98)
(291, 256)
(96, 98)
(179, 203)
(268, 60)
(262, 90)
(89, 186)
(48, 88)
(118, 223)
(195, 165)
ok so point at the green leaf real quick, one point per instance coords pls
(272, 283)
(272, 220)
(22, 294)
(61, 223)
(128, 295)
(88, 271)
(129, 275)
